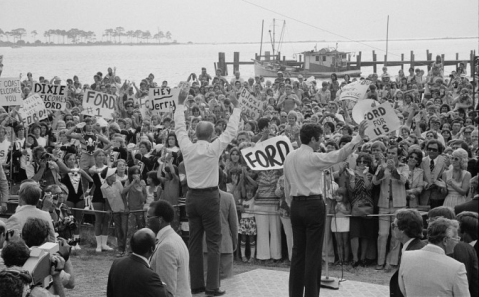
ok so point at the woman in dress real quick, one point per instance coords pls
(99, 203)
(76, 181)
(415, 181)
(361, 227)
(457, 179)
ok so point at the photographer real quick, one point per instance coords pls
(35, 233)
(54, 203)
(46, 167)
(15, 255)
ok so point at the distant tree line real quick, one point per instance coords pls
(76, 36)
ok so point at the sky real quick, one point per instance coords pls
(217, 21)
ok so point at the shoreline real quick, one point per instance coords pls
(20, 45)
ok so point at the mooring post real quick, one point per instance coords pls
(412, 60)
(236, 60)
(358, 60)
(402, 64)
(429, 60)
(374, 64)
(222, 63)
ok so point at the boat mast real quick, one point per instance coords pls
(274, 33)
(261, 46)
(387, 43)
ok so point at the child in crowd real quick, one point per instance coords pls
(153, 189)
(248, 224)
(112, 190)
(168, 175)
(340, 225)
(135, 191)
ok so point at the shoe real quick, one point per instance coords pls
(98, 244)
(356, 264)
(387, 268)
(198, 290)
(379, 267)
(244, 259)
(363, 263)
(217, 292)
(104, 246)
(77, 247)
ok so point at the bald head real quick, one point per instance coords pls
(204, 130)
(143, 242)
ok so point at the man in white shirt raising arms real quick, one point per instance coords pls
(302, 173)
(203, 197)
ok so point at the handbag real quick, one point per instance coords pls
(362, 208)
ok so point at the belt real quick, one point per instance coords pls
(311, 197)
(210, 189)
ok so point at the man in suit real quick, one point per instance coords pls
(229, 233)
(170, 258)
(132, 276)
(407, 228)
(429, 271)
(29, 195)
(433, 165)
(466, 250)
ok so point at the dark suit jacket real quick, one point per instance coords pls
(465, 253)
(131, 277)
(394, 290)
(472, 205)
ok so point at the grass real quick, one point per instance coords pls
(91, 271)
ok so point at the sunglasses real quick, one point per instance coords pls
(432, 149)
(456, 159)
(412, 157)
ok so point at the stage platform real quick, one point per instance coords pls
(273, 283)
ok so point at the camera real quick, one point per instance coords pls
(67, 223)
(45, 156)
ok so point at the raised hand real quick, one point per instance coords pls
(362, 128)
(234, 99)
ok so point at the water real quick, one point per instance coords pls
(175, 62)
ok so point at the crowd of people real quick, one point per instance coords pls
(126, 167)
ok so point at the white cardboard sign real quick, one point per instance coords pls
(251, 106)
(54, 96)
(10, 91)
(162, 100)
(355, 91)
(99, 104)
(268, 154)
(382, 119)
(33, 110)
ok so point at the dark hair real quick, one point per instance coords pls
(132, 171)
(410, 222)
(15, 253)
(333, 143)
(331, 126)
(30, 193)
(419, 156)
(263, 123)
(308, 131)
(440, 146)
(468, 223)
(345, 139)
(35, 232)
(164, 209)
(441, 211)
(154, 177)
(366, 157)
(398, 149)
(176, 139)
(141, 242)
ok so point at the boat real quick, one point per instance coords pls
(318, 63)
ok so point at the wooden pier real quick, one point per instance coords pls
(412, 62)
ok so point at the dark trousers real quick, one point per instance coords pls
(121, 228)
(203, 210)
(308, 218)
(436, 202)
